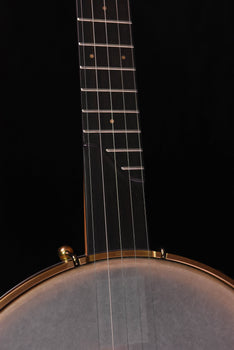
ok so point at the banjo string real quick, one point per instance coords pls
(88, 180)
(123, 278)
(139, 146)
(143, 190)
(139, 139)
(128, 161)
(103, 178)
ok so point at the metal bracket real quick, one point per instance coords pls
(66, 253)
(163, 253)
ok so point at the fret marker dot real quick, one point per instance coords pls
(104, 8)
(123, 57)
(91, 55)
(112, 121)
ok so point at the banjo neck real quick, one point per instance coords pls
(115, 214)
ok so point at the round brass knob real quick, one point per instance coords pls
(65, 253)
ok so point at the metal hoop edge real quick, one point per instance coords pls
(61, 267)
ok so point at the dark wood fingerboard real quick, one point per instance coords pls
(113, 164)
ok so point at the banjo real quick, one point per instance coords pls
(120, 294)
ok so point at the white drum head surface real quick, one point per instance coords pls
(123, 304)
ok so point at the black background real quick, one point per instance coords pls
(184, 60)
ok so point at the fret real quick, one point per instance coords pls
(105, 45)
(108, 90)
(110, 111)
(125, 156)
(116, 140)
(132, 168)
(123, 150)
(111, 131)
(121, 146)
(128, 160)
(102, 21)
(107, 68)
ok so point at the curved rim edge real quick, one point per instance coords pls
(61, 267)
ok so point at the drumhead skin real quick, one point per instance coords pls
(123, 304)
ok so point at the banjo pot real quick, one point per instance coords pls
(140, 300)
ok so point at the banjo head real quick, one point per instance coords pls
(123, 304)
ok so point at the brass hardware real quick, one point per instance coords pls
(66, 253)
(163, 253)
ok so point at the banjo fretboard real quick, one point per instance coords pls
(113, 165)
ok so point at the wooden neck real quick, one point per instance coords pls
(113, 165)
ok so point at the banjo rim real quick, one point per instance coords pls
(64, 266)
